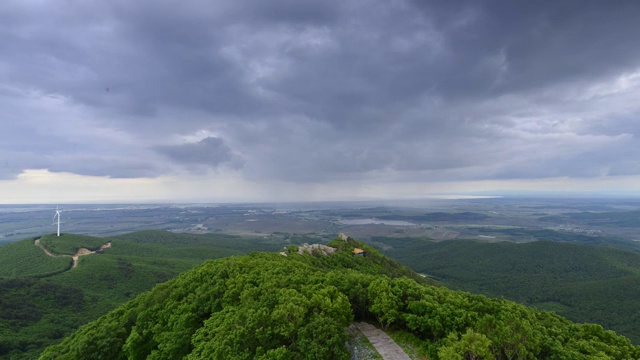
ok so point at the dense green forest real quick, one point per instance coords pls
(269, 306)
(584, 283)
(43, 299)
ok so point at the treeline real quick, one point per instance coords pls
(268, 306)
(197, 246)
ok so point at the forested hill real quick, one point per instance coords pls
(582, 282)
(270, 306)
(43, 298)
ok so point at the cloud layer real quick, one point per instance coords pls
(319, 91)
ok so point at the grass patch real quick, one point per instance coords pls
(360, 347)
(23, 258)
(69, 244)
(411, 344)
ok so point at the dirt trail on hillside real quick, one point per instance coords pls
(385, 346)
(81, 252)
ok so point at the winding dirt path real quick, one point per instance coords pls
(385, 346)
(81, 252)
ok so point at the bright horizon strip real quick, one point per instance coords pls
(42, 186)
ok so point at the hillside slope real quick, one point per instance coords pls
(43, 299)
(269, 306)
(582, 282)
(23, 258)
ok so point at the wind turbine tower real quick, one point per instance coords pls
(57, 215)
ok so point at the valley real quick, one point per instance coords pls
(495, 219)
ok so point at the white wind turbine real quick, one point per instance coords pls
(58, 212)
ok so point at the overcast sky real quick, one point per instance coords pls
(215, 101)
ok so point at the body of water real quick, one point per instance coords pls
(376, 222)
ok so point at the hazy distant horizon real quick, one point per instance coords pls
(525, 196)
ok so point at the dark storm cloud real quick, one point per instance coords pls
(209, 152)
(542, 41)
(322, 90)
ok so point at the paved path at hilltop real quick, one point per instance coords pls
(382, 342)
